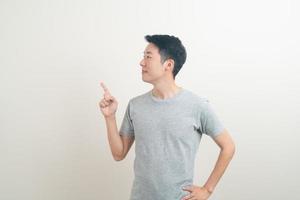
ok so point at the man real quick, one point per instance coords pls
(167, 124)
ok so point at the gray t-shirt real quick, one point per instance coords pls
(167, 135)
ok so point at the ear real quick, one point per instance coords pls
(169, 64)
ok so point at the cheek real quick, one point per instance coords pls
(154, 68)
(157, 66)
(160, 70)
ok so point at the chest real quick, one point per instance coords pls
(164, 123)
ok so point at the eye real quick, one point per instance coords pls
(147, 57)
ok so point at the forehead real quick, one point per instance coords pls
(151, 49)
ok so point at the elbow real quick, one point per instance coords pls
(232, 151)
(229, 150)
(118, 157)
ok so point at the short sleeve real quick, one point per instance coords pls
(210, 123)
(127, 125)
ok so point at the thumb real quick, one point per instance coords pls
(109, 97)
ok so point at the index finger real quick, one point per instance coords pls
(104, 87)
(188, 188)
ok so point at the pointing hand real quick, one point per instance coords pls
(108, 105)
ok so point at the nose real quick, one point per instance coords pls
(142, 63)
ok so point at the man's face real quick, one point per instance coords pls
(152, 69)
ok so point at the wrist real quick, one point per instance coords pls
(110, 117)
(208, 189)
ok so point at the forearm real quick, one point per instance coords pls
(115, 141)
(223, 161)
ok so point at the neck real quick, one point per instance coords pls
(165, 90)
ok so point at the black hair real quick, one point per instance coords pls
(170, 47)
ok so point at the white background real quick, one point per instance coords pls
(242, 55)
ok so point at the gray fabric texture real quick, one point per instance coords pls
(167, 135)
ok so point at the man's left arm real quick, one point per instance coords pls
(227, 150)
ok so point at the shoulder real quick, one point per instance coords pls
(196, 98)
(139, 98)
(199, 103)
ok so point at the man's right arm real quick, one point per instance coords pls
(119, 145)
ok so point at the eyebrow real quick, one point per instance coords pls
(147, 52)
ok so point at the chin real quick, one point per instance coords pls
(145, 80)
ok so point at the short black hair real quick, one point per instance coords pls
(170, 47)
